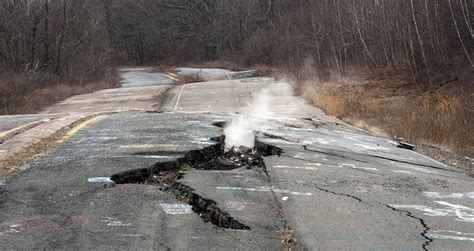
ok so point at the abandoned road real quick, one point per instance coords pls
(324, 185)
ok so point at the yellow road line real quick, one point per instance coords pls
(179, 98)
(79, 126)
(160, 91)
(170, 76)
(26, 126)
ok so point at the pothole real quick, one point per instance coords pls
(165, 175)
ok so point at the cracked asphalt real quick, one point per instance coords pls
(335, 186)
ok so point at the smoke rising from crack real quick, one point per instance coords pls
(241, 130)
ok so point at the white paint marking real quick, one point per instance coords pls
(237, 205)
(264, 189)
(437, 195)
(356, 167)
(280, 166)
(100, 180)
(322, 141)
(314, 164)
(179, 98)
(155, 157)
(12, 229)
(462, 213)
(176, 209)
(348, 165)
(402, 171)
(451, 235)
(114, 222)
(285, 198)
(297, 167)
(368, 168)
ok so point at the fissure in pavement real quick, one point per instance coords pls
(425, 226)
(166, 176)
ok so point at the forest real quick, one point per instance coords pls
(50, 50)
(82, 37)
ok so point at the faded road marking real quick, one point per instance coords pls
(11, 229)
(462, 213)
(170, 76)
(402, 171)
(264, 189)
(438, 195)
(100, 180)
(419, 169)
(145, 157)
(360, 168)
(178, 99)
(238, 206)
(297, 167)
(150, 146)
(451, 235)
(81, 125)
(114, 222)
(176, 209)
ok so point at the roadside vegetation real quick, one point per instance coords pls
(404, 67)
(50, 50)
(24, 93)
(387, 103)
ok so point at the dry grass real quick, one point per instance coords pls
(334, 105)
(191, 79)
(221, 64)
(29, 93)
(389, 105)
(287, 239)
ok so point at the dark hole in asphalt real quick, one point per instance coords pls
(215, 157)
(405, 145)
(220, 124)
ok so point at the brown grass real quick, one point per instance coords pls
(190, 79)
(29, 93)
(287, 239)
(221, 64)
(390, 105)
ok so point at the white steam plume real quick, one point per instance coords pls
(240, 131)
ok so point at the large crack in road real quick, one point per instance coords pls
(66, 198)
(426, 228)
(166, 176)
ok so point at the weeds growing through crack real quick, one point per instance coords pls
(185, 167)
(287, 239)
